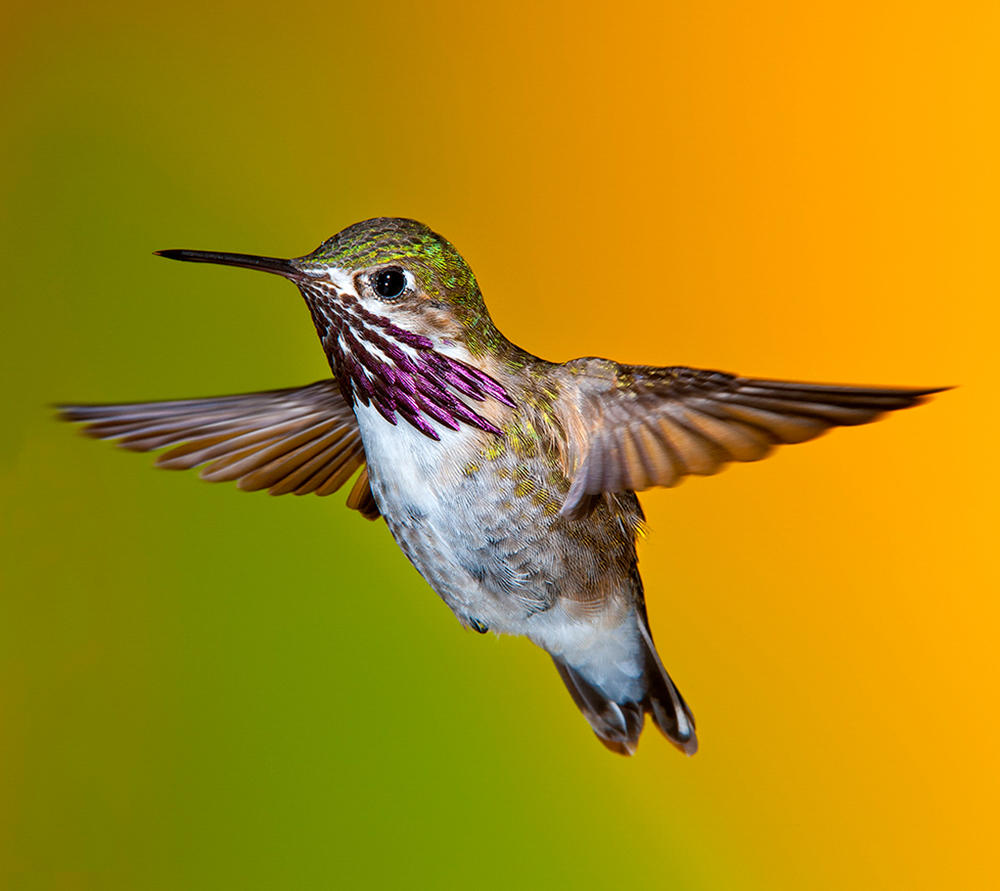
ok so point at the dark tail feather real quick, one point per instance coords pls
(664, 701)
(618, 724)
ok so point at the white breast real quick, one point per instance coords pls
(419, 486)
(406, 467)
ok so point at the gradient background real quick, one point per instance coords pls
(203, 688)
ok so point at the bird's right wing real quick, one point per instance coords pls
(298, 440)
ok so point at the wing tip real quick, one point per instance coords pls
(923, 394)
(844, 389)
(66, 411)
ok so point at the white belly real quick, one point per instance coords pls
(481, 562)
(421, 491)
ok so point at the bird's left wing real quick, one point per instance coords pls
(632, 427)
(297, 440)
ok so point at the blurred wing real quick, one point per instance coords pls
(635, 427)
(299, 440)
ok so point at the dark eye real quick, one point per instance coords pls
(389, 283)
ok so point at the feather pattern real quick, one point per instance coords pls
(297, 440)
(647, 426)
(395, 371)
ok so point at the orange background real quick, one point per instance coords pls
(208, 689)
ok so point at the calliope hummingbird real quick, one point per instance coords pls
(508, 481)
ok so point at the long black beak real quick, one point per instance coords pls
(276, 265)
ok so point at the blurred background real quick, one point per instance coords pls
(203, 688)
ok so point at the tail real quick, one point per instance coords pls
(618, 724)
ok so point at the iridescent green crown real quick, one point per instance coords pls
(439, 268)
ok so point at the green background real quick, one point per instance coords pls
(203, 688)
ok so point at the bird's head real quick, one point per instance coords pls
(394, 304)
(388, 268)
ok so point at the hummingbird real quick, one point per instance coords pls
(508, 481)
